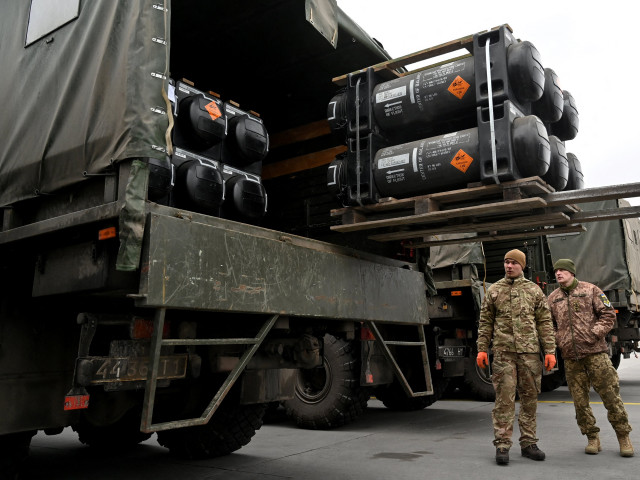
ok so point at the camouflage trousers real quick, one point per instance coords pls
(511, 372)
(596, 371)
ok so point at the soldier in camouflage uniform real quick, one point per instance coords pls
(583, 316)
(515, 317)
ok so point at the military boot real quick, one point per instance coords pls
(626, 449)
(593, 447)
(533, 452)
(502, 456)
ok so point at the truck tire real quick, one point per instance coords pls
(556, 379)
(14, 450)
(478, 380)
(329, 396)
(122, 434)
(615, 359)
(551, 382)
(230, 429)
(395, 398)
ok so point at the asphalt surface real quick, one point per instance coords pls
(448, 440)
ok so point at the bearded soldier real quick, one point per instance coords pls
(583, 316)
(515, 317)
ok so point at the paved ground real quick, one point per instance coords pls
(449, 440)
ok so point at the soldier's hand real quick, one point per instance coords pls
(482, 360)
(549, 362)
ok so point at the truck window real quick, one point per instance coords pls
(46, 16)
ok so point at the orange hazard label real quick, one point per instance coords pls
(214, 111)
(76, 402)
(459, 87)
(462, 161)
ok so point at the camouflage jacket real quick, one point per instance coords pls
(583, 316)
(515, 316)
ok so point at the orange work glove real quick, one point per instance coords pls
(482, 360)
(549, 362)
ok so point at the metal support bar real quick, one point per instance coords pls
(425, 359)
(209, 341)
(595, 194)
(152, 378)
(147, 425)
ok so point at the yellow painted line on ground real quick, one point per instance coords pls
(591, 403)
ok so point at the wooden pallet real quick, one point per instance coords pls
(399, 67)
(518, 209)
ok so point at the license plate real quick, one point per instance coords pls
(452, 352)
(133, 369)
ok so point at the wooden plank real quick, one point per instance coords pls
(499, 236)
(389, 205)
(425, 205)
(440, 215)
(463, 43)
(352, 216)
(435, 65)
(531, 185)
(300, 134)
(529, 221)
(303, 162)
(393, 64)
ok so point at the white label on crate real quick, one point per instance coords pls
(395, 176)
(391, 94)
(332, 106)
(233, 171)
(171, 93)
(393, 161)
(335, 169)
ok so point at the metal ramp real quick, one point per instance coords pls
(157, 342)
(396, 341)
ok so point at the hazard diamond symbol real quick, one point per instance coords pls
(462, 161)
(459, 87)
(214, 111)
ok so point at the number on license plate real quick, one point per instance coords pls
(130, 369)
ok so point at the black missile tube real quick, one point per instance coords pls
(576, 178)
(445, 97)
(558, 174)
(218, 156)
(442, 162)
(567, 127)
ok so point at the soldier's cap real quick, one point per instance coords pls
(518, 256)
(565, 264)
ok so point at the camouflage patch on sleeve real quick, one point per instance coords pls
(605, 300)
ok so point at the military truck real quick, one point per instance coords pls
(143, 285)
(424, 156)
(607, 254)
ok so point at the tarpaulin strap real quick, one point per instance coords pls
(491, 119)
(132, 218)
(358, 164)
(167, 135)
(635, 293)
